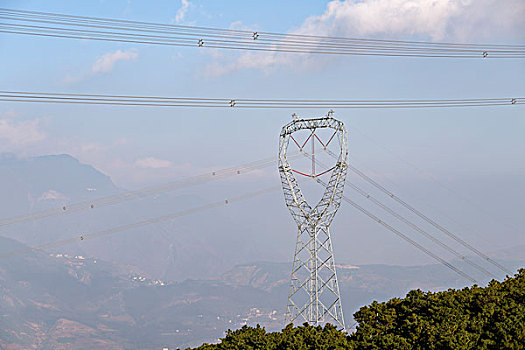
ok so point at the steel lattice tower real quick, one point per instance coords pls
(314, 291)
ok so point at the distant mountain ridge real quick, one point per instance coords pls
(167, 250)
(39, 182)
(60, 301)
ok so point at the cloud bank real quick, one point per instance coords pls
(437, 20)
(434, 20)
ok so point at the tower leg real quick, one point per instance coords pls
(314, 295)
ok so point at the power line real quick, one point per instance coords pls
(237, 45)
(407, 222)
(429, 220)
(79, 27)
(142, 193)
(185, 28)
(172, 216)
(419, 230)
(136, 194)
(384, 207)
(122, 228)
(405, 237)
(202, 102)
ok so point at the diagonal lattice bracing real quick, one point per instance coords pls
(314, 291)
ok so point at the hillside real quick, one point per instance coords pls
(175, 250)
(59, 301)
(491, 317)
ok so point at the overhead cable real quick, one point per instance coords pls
(408, 222)
(430, 221)
(142, 193)
(82, 237)
(405, 237)
(56, 25)
(420, 230)
(203, 102)
(425, 218)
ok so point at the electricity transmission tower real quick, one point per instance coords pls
(314, 291)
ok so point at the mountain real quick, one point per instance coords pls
(46, 181)
(43, 299)
(174, 250)
(59, 301)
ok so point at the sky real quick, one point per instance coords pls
(465, 166)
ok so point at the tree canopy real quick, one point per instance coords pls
(491, 317)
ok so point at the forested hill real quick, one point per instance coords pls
(491, 317)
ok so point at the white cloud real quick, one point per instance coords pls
(435, 20)
(153, 163)
(429, 19)
(181, 13)
(15, 135)
(52, 194)
(106, 63)
(102, 64)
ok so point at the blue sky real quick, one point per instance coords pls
(476, 153)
